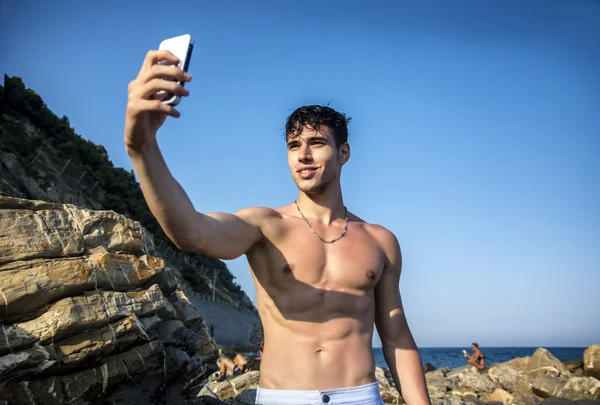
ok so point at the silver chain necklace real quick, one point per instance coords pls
(315, 232)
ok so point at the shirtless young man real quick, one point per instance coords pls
(323, 276)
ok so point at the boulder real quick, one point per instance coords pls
(518, 363)
(499, 395)
(465, 395)
(574, 365)
(564, 401)
(428, 367)
(452, 400)
(580, 388)
(591, 361)
(471, 379)
(557, 401)
(542, 359)
(438, 388)
(505, 376)
(389, 393)
(231, 387)
(248, 397)
(545, 381)
(437, 392)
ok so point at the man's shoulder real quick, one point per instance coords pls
(257, 211)
(257, 215)
(382, 235)
(378, 231)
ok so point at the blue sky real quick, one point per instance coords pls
(475, 134)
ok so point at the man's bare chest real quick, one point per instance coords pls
(294, 254)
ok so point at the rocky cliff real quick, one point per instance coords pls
(42, 158)
(90, 314)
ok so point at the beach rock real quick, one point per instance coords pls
(452, 400)
(580, 388)
(389, 393)
(472, 379)
(574, 365)
(438, 388)
(564, 401)
(428, 367)
(84, 315)
(248, 397)
(465, 395)
(542, 359)
(545, 381)
(591, 361)
(505, 376)
(499, 395)
(232, 387)
(437, 392)
(438, 373)
(530, 399)
(518, 363)
(522, 388)
(557, 401)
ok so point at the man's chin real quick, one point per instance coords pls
(311, 188)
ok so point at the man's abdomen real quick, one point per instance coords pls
(317, 356)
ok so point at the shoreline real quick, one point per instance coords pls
(540, 379)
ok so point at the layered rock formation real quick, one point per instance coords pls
(89, 313)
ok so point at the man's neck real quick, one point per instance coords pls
(325, 207)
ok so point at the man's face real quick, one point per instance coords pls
(315, 160)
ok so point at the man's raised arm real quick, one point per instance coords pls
(221, 235)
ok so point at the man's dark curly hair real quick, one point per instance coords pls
(315, 116)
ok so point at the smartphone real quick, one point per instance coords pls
(182, 47)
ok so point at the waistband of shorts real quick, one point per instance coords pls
(363, 394)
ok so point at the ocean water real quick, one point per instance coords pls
(452, 356)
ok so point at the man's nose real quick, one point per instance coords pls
(305, 154)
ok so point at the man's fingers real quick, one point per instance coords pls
(153, 57)
(163, 71)
(155, 85)
(141, 106)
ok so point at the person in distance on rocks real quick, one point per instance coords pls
(477, 359)
(323, 276)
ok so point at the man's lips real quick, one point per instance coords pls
(307, 172)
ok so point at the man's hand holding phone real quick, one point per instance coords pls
(145, 115)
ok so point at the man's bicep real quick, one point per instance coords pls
(390, 319)
(389, 316)
(228, 236)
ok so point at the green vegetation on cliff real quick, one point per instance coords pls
(122, 193)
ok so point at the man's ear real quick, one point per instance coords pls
(344, 153)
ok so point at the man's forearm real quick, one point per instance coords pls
(165, 197)
(407, 372)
